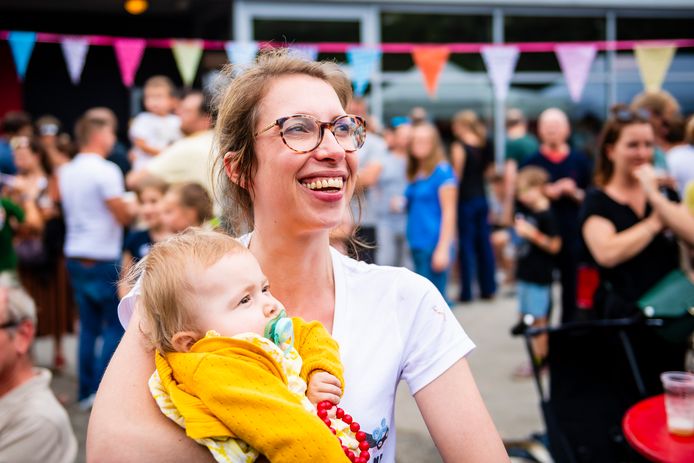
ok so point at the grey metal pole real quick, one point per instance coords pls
(499, 105)
(611, 36)
(371, 36)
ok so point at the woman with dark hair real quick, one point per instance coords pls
(630, 228)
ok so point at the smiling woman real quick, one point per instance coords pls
(390, 323)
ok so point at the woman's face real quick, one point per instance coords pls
(422, 142)
(174, 216)
(633, 148)
(150, 207)
(285, 186)
(25, 159)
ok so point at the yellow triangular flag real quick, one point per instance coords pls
(654, 62)
(187, 54)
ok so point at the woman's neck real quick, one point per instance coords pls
(299, 268)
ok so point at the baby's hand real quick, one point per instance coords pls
(323, 386)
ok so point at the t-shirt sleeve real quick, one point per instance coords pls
(112, 184)
(445, 175)
(433, 339)
(138, 127)
(168, 164)
(126, 306)
(594, 203)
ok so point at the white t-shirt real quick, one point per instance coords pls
(157, 132)
(391, 324)
(86, 183)
(680, 161)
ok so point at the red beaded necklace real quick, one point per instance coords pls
(323, 409)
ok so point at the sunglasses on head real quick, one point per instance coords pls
(628, 115)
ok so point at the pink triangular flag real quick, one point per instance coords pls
(575, 62)
(129, 54)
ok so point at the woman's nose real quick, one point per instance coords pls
(329, 148)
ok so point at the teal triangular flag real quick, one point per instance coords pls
(21, 44)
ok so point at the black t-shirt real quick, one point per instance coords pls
(535, 265)
(578, 167)
(632, 278)
(138, 244)
(477, 159)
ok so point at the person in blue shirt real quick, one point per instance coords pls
(431, 203)
(15, 123)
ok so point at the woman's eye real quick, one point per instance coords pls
(297, 128)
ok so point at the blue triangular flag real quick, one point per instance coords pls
(362, 62)
(22, 44)
(307, 52)
(241, 53)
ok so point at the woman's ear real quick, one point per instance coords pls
(609, 149)
(184, 340)
(230, 166)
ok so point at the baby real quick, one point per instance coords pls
(231, 367)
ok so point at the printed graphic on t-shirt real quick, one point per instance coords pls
(377, 438)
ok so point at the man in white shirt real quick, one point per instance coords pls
(189, 159)
(91, 190)
(33, 425)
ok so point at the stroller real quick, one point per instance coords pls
(594, 377)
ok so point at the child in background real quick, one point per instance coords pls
(138, 242)
(431, 197)
(231, 367)
(185, 205)
(540, 242)
(157, 127)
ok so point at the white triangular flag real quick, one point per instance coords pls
(500, 61)
(75, 53)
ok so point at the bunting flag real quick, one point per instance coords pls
(129, 54)
(307, 52)
(362, 62)
(187, 54)
(75, 53)
(654, 62)
(575, 62)
(430, 61)
(241, 53)
(500, 61)
(21, 44)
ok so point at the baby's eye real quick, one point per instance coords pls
(266, 288)
(245, 300)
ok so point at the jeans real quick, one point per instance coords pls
(475, 248)
(422, 266)
(94, 286)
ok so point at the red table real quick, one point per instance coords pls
(645, 427)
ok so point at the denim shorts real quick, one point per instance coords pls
(533, 298)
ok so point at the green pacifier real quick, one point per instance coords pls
(280, 330)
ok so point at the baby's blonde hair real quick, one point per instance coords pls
(165, 281)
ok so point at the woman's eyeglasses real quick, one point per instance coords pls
(628, 115)
(303, 133)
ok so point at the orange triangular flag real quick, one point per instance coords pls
(430, 61)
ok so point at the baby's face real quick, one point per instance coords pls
(233, 296)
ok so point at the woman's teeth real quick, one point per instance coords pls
(321, 184)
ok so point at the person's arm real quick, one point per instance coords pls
(125, 424)
(452, 401)
(135, 178)
(458, 159)
(142, 144)
(441, 258)
(610, 248)
(510, 174)
(120, 210)
(369, 174)
(674, 216)
(318, 350)
(550, 244)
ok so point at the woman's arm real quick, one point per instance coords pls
(458, 159)
(126, 424)
(610, 248)
(442, 254)
(452, 401)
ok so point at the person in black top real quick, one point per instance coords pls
(630, 228)
(471, 158)
(540, 242)
(569, 173)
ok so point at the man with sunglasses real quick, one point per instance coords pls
(33, 425)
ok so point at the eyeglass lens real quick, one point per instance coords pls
(303, 134)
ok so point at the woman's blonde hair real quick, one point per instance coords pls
(238, 113)
(165, 281)
(468, 120)
(435, 156)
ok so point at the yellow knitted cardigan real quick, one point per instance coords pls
(227, 387)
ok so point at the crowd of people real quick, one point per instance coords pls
(79, 210)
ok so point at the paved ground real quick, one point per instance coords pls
(512, 403)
